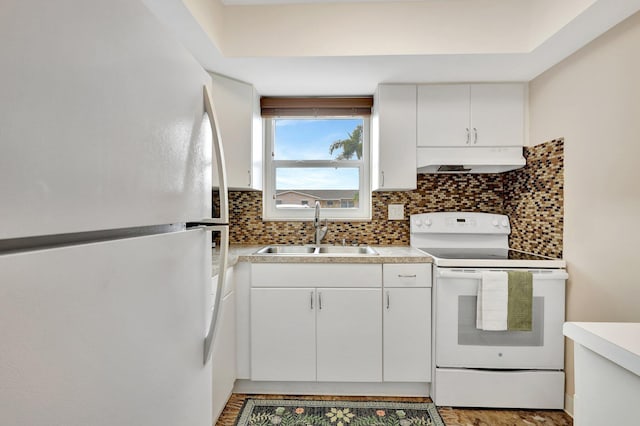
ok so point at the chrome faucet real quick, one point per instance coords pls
(320, 231)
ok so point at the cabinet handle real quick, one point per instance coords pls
(311, 301)
(249, 172)
(406, 276)
(319, 300)
(475, 136)
(388, 300)
(382, 172)
(468, 136)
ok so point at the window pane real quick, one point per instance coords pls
(318, 139)
(333, 187)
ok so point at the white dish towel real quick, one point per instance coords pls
(492, 304)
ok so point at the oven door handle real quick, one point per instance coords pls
(543, 274)
(460, 274)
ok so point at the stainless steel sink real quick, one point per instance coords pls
(278, 250)
(287, 250)
(346, 250)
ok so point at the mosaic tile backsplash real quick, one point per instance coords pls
(534, 200)
(532, 197)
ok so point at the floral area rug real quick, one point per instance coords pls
(270, 412)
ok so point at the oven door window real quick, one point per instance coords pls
(468, 334)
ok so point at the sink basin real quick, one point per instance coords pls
(346, 250)
(287, 250)
(277, 250)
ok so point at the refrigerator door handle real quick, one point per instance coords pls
(222, 273)
(219, 153)
(207, 225)
(217, 224)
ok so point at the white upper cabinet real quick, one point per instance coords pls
(443, 115)
(497, 114)
(237, 107)
(470, 115)
(393, 138)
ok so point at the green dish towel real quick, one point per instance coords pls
(520, 301)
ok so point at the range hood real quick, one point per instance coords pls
(469, 159)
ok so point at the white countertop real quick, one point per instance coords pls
(386, 254)
(619, 342)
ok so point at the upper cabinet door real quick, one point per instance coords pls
(497, 114)
(443, 115)
(240, 124)
(394, 138)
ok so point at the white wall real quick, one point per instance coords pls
(210, 16)
(379, 28)
(382, 28)
(592, 99)
(547, 16)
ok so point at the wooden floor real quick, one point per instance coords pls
(451, 416)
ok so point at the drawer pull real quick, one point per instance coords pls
(407, 276)
(388, 300)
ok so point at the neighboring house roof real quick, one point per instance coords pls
(324, 194)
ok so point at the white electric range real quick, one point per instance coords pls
(479, 368)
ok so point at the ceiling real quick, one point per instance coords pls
(268, 2)
(317, 47)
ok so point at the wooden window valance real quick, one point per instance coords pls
(320, 106)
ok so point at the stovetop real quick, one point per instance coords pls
(491, 257)
(482, 253)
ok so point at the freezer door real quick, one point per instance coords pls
(102, 118)
(107, 333)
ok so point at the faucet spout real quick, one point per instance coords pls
(320, 231)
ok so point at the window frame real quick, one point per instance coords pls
(269, 210)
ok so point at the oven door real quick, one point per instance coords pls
(460, 344)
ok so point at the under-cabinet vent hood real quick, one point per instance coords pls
(469, 160)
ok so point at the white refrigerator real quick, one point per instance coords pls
(106, 147)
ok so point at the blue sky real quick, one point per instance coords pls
(306, 139)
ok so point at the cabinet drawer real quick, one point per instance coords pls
(407, 275)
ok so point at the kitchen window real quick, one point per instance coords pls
(323, 158)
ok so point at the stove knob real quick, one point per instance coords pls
(427, 222)
(494, 222)
(418, 222)
(505, 223)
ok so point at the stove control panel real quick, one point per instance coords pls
(460, 223)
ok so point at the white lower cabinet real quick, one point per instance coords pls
(336, 323)
(349, 332)
(407, 322)
(283, 334)
(316, 334)
(223, 356)
(407, 335)
(324, 334)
